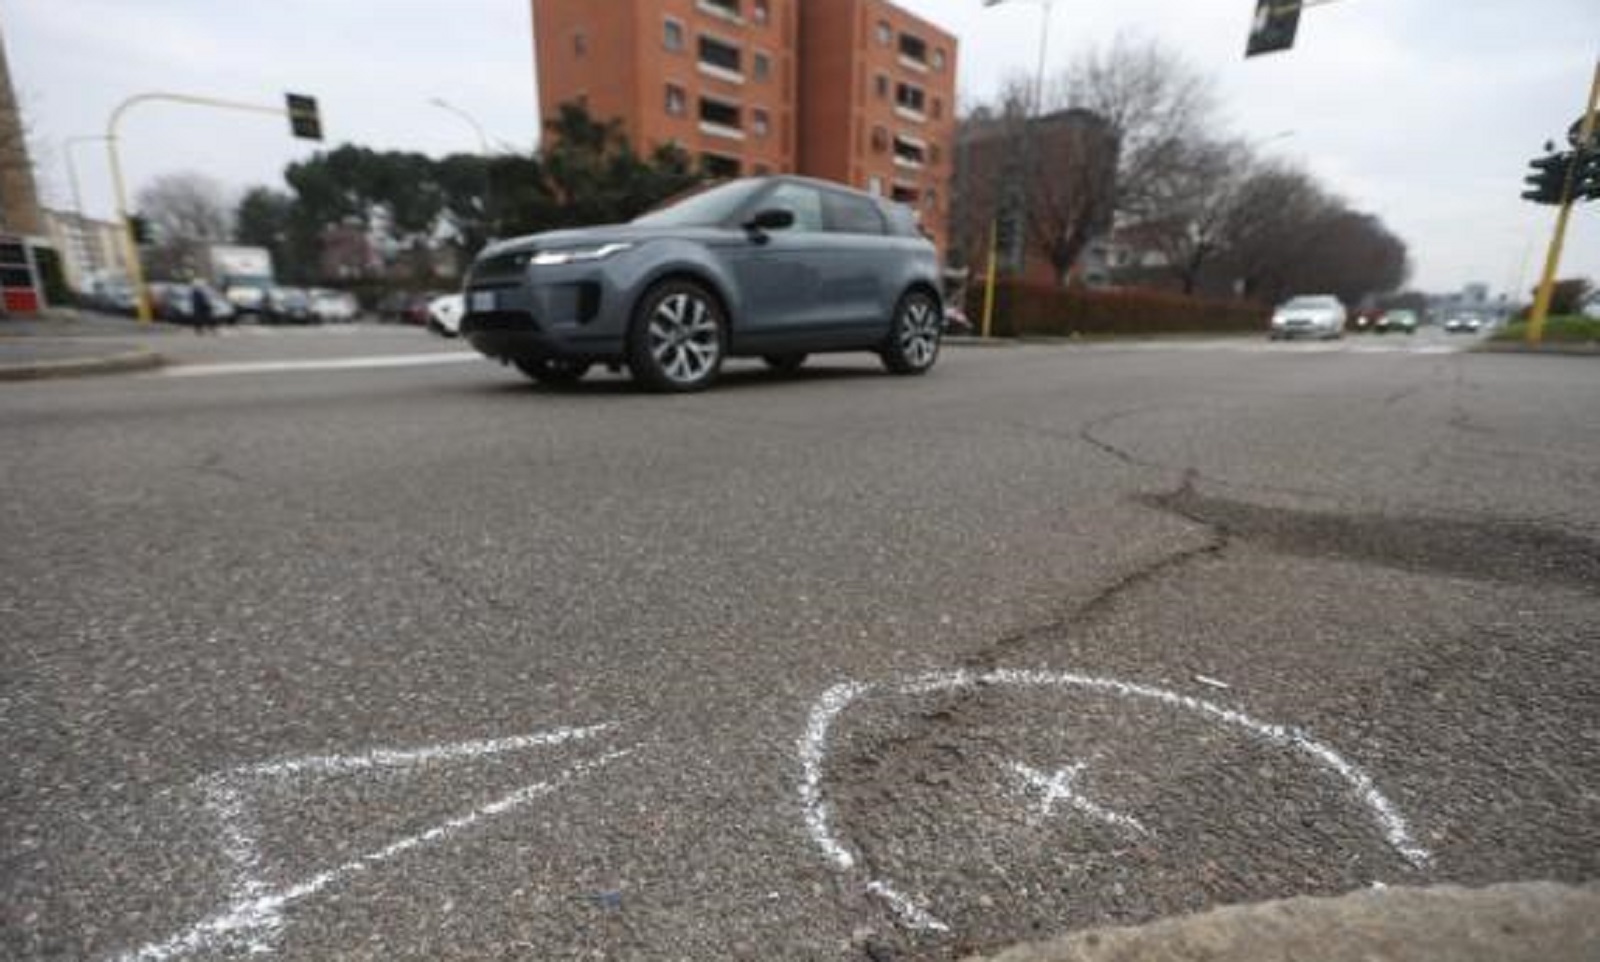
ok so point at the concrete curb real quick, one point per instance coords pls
(1529, 922)
(123, 363)
(1567, 348)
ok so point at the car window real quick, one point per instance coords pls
(707, 208)
(804, 202)
(849, 214)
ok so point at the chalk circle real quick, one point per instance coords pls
(814, 749)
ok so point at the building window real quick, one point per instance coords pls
(727, 9)
(677, 100)
(672, 35)
(875, 186)
(933, 154)
(885, 33)
(761, 170)
(882, 84)
(761, 13)
(938, 108)
(761, 66)
(938, 59)
(760, 122)
(880, 139)
(904, 195)
(909, 152)
(721, 118)
(580, 44)
(910, 98)
(719, 55)
(913, 51)
(719, 166)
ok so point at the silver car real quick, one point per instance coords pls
(771, 267)
(1318, 315)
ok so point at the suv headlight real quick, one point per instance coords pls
(576, 255)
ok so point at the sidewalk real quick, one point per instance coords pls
(1530, 922)
(66, 344)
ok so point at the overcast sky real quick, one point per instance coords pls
(1422, 111)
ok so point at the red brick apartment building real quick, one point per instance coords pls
(855, 91)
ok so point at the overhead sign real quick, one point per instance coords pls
(1275, 26)
(304, 120)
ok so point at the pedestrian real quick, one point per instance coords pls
(205, 319)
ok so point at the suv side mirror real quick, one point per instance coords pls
(772, 219)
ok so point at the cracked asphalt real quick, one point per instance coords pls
(363, 582)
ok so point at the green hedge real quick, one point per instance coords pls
(1046, 310)
(1573, 328)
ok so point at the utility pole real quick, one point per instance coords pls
(1552, 261)
(304, 122)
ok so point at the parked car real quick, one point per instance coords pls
(771, 267)
(1318, 315)
(287, 305)
(1398, 321)
(175, 302)
(406, 307)
(444, 315)
(334, 307)
(1464, 324)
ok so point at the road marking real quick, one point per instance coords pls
(253, 920)
(813, 750)
(1058, 787)
(325, 364)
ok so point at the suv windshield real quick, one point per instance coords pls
(709, 208)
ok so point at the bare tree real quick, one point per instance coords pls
(187, 212)
(1190, 205)
(1155, 105)
(1286, 235)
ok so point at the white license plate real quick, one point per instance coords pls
(482, 301)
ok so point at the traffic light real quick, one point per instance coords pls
(1548, 181)
(1586, 178)
(1275, 26)
(139, 225)
(304, 119)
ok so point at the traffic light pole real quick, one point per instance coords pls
(130, 244)
(1552, 261)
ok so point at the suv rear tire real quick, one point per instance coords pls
(914, 335)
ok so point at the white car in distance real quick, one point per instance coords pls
(445, 313)
(1316, 315)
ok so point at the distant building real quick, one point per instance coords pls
(855, 91)
(1074, 146)
(91, 250)
(19, 198)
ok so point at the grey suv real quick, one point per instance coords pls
(770, 267)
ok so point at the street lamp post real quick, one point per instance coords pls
(81, 241)
(119, 186)
(483, 151)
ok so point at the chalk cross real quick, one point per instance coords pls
(1058, 787)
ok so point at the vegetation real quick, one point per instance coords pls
(355, 214)
(1563, 328)
(1150, 165)
(1023, 309)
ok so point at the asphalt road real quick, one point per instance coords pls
(328, 660)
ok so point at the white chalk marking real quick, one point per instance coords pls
(1059, 787)
(914, 915)
(325, 364)
(386, 758)
(814, 749)
(1210, 682)
(254, 918)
